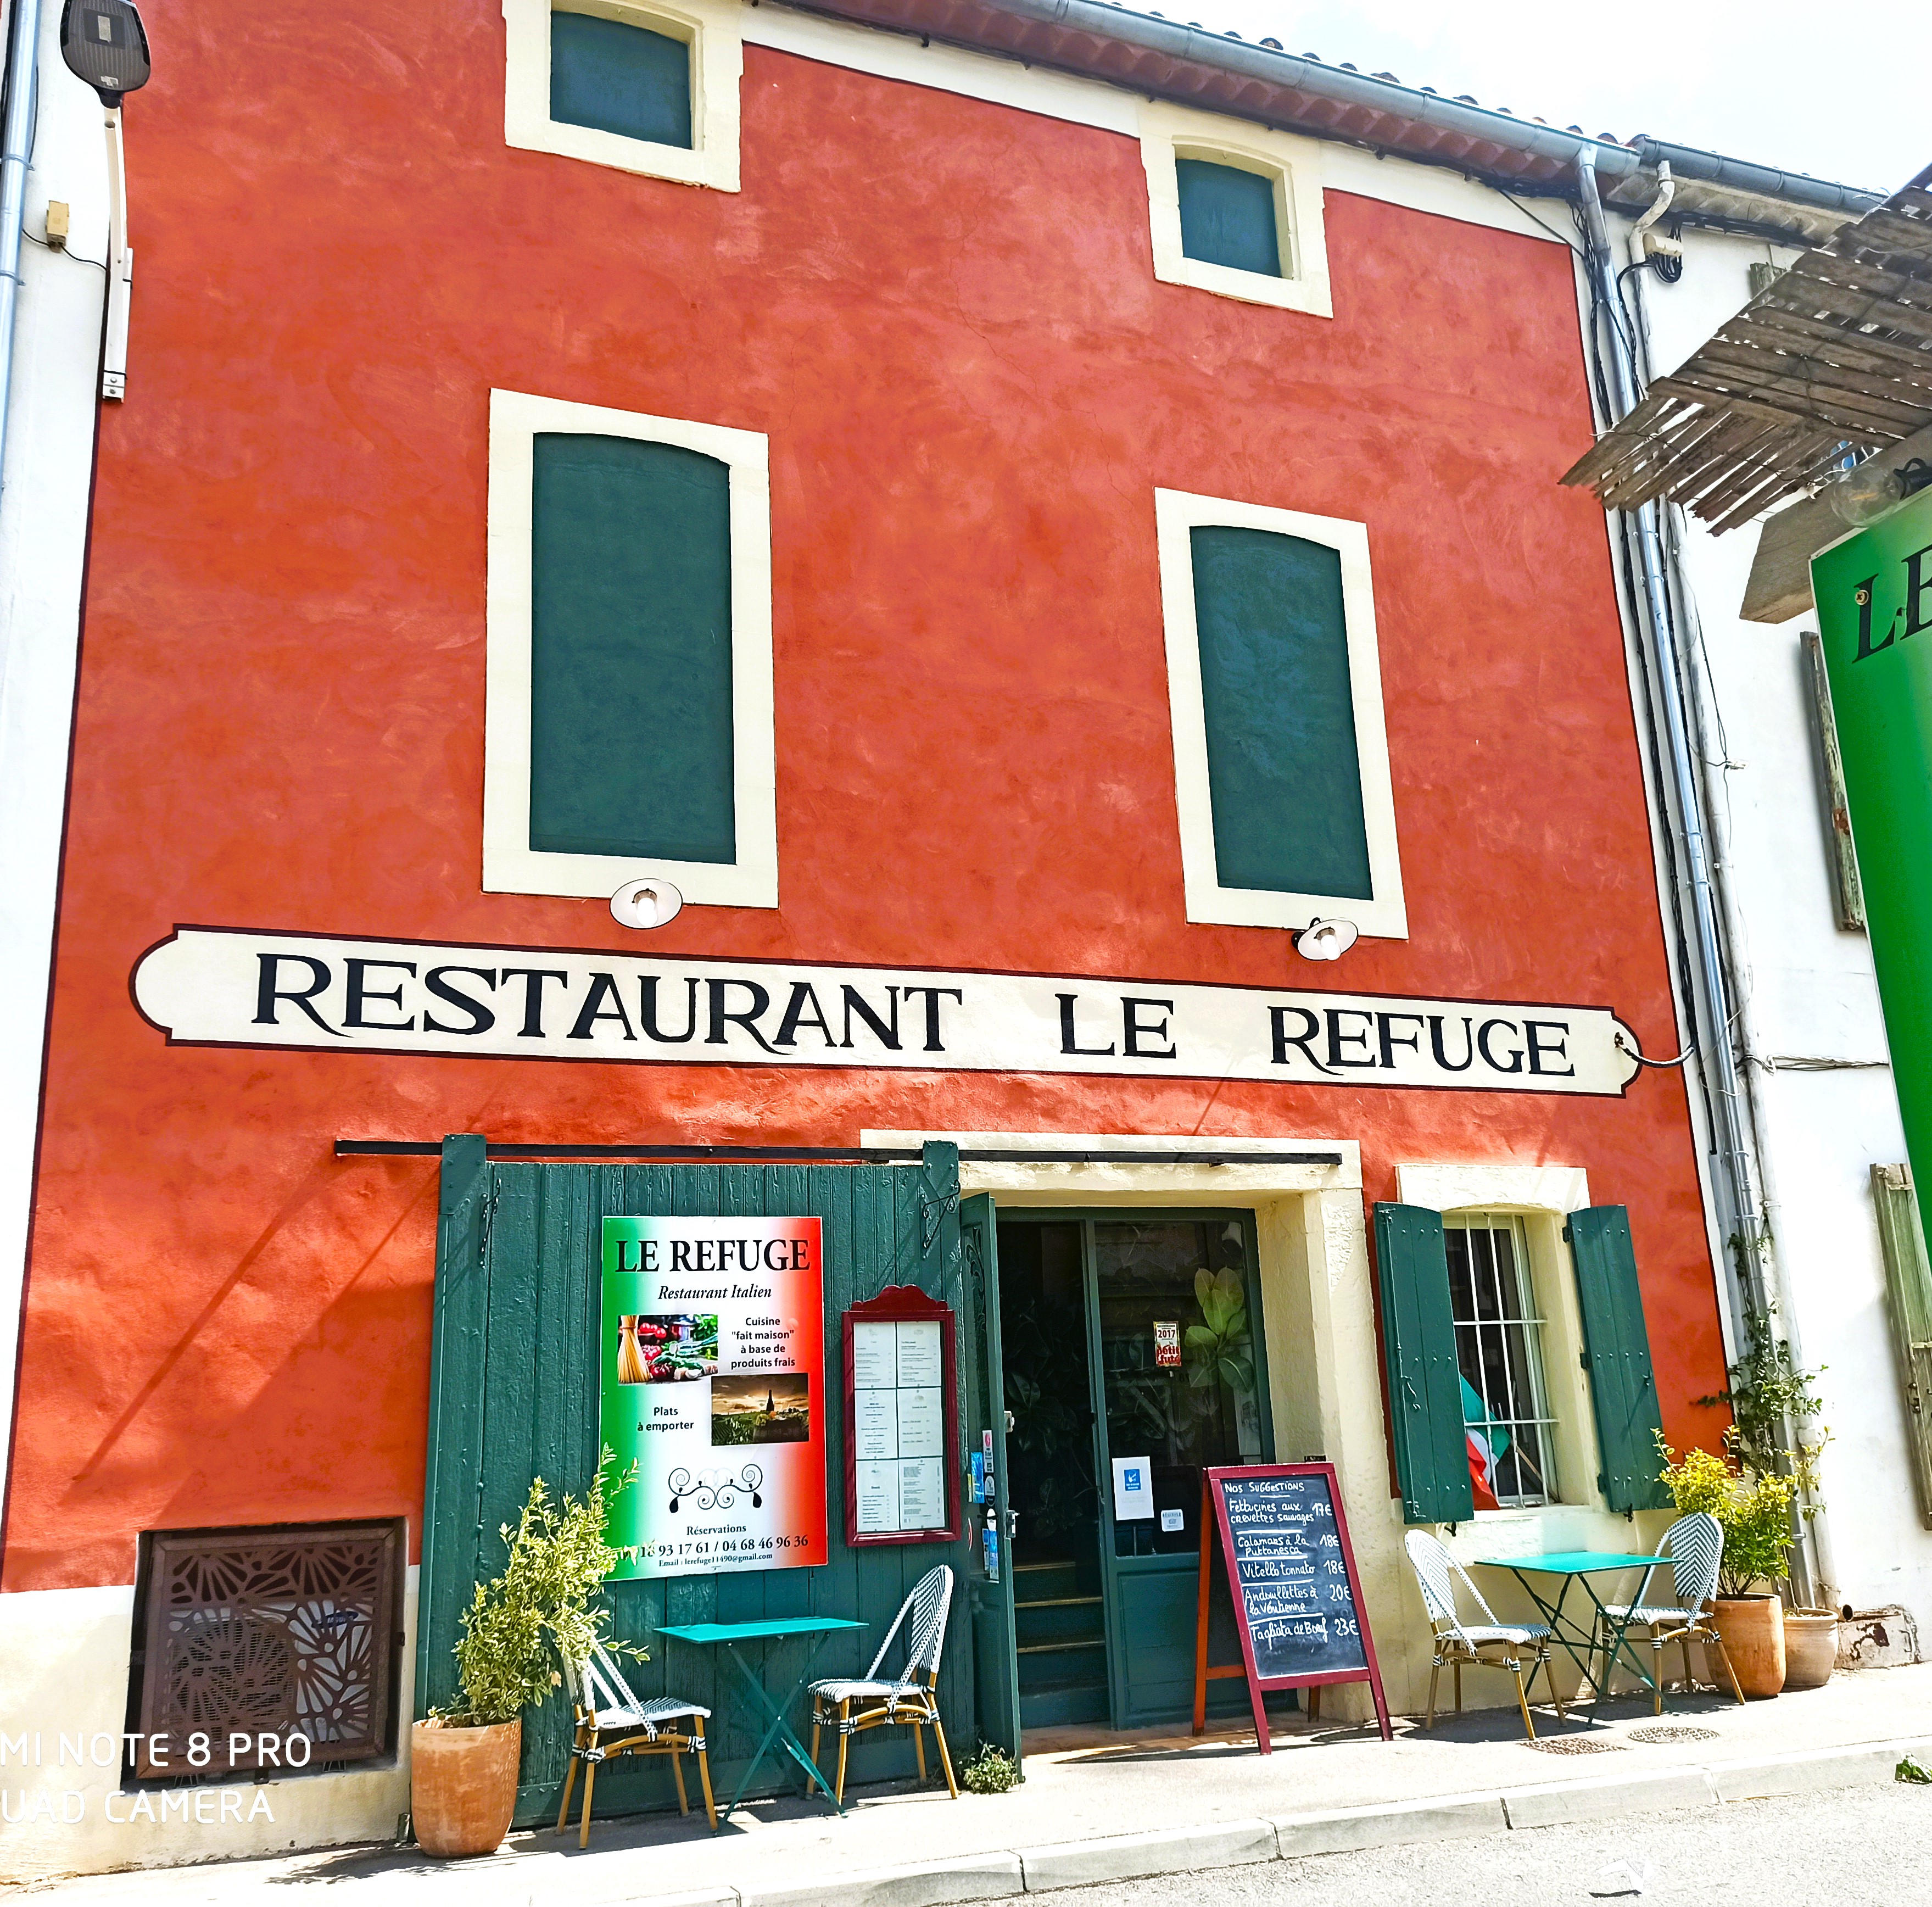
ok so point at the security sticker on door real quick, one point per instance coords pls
(1133, 1488)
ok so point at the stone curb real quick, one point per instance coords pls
(1162, 1851)
(918, 1883)
(1342, 1831)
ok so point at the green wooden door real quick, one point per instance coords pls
(514, 1394)
(995, 1663)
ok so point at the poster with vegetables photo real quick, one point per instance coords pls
(712, 1382)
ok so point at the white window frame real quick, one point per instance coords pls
(1385, 916)
(709, 28)
(1293, 165)
(510, 864)
(1543, 1197)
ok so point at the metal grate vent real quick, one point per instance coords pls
(291, 1631)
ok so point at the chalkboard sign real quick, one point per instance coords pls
(1297, 1599)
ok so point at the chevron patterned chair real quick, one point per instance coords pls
(606, 1705)
(1696, 1543)
(908, 1702)
(1488, 1644)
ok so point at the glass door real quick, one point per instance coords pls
(1175, 1336)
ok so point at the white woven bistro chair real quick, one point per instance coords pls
(607, 1705)
(854, 1706)
(1696, 1543)
(1488, 1644)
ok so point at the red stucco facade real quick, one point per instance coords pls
(943, 314)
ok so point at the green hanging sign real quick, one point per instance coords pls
(1874, 590)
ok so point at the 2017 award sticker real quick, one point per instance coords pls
(713, 1383)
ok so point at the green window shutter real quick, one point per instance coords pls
(1285, 782)
(1432, 1455)
(619, 78)
(1227, 217)
(1908, 1292)
(1623, 1387)
(631, 731)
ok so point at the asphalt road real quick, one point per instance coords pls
(1855, 1847)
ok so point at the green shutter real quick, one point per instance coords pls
(619, 78)
(1227, 217)
(1908, 1292)
(1432, 1459)
(631, 731)
(1623, 1387)
(1284, 783)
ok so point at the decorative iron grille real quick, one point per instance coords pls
(268, 1634)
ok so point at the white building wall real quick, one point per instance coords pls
(43, 515)
(1811, 998)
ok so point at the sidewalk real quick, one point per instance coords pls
(1107, 1807)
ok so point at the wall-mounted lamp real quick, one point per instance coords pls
(104, 42)
(1326, 940)
(1871, 492)
(647, 901)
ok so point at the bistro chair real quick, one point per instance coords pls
(606, 1705)
(1697, 1546)
(1437, 1573)
(907, 1701)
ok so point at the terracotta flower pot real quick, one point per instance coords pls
(1753, 1628)
(462, 1786)
(1811, 1648)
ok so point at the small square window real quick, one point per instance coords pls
(1227, 217)
(619, 78)
(1235, 209)
(645, 86)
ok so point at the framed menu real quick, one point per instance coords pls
(901, 1420)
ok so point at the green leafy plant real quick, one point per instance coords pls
(1219, 1348)
(1910, 1768)
(990, 1771)
(558, 1562)
(1753, 1510)
(1776, 1412)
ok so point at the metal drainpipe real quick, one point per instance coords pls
(22, 44)
(1817, 1561)
(1742, 1271)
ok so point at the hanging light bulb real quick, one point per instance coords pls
(1869, 494)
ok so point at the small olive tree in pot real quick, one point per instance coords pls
(1753, 1510)
(464, 1759)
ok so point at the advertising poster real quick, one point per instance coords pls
(712, 1359)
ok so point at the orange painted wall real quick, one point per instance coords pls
(943, 313)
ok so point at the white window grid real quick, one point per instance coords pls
(1499, 1349)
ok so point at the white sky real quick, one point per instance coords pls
(1840, 92)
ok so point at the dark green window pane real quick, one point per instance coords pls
(1284, 781)
(619, 78)
(630, 651)
(1227, 217)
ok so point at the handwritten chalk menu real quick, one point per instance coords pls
(1298, 1598)
(901, 1420)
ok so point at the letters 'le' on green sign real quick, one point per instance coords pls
(1874, 591)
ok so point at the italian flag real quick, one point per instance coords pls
(1487, 1441)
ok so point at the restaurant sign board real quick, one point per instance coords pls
(223, 987)
(1874, 590)
(712, 1366)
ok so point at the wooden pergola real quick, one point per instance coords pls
(1833, 359)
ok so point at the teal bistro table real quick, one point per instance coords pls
(1571, 1567)
(731, 1637)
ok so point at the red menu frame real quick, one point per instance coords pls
(905, 1304)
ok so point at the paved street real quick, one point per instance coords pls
(1857, 1847)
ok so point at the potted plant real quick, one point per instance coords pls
(1754, 1512)
(464, 1759)
(1779, 1427)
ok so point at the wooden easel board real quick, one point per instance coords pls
(1284, 1539)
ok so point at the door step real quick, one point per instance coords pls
(1059, 1619)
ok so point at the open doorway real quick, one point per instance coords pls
(1132, 1343)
